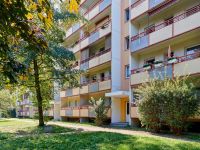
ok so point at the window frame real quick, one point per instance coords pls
(127, 76)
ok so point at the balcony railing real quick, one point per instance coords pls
(97, 59)
(89, 87)
(85, 111)
(100, 32)
(90, 14)
(98, 85)
(179, 67)
(168, 29)
(142, 6)
(153, 3)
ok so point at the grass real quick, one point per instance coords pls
(20, 134)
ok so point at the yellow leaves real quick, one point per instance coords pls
(8, 86)
(73, 6)
(29, 16)
(23, 78)
(33, 6)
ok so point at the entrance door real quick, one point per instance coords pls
(127, 111)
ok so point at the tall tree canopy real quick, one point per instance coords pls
(31, 51)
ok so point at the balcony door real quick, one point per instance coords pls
(127, 111)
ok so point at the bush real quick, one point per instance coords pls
(101, 109)
(167, 102)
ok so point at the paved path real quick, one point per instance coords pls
(91, 128)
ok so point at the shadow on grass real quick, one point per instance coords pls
(94, 140)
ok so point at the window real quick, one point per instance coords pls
(127, 42)
(75, 102)
(150, 61)
(127, 71)
(127, 108)
(102, 75)
(192, 50)
(127, 14)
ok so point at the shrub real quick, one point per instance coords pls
(100, 109)
(169, 101)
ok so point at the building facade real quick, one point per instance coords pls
(127, 43)
(26, 109)
(124, 44)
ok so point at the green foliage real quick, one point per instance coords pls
(167, 102)
(6, 102)
(101, 109)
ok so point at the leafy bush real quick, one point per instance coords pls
(101, 109)
(167, 102)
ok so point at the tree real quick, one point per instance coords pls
(30, 42)
(167, 102)
(101, 109)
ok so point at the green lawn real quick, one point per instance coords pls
(20, 134)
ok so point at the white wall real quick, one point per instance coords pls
(116, 45)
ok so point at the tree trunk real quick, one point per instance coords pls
(38, 93)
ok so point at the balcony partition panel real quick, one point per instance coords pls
(94, 62)
(189, 22)
(94, 87)
(162, 33)
(139, 7)
(161, 72)
(105, 57)
(69, 92)
(153, 3)
(84, 66)
(140, 43)
(68, 112)
(84, 89)
(75, 27)
(104, 4)
(93, 37)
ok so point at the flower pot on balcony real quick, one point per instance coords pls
(172, 60)
(147, 67)
(158, 64)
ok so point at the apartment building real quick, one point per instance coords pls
(98, 49)
(165, 42)
(26, 109)
(124, 44)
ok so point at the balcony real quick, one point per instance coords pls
(82, 111)
(186, 65)
(168, 29)
(88, 87)
(182, 66)
(139, 7)
(93, 37)
(153, 3)
(98, 59)
(89, 15)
